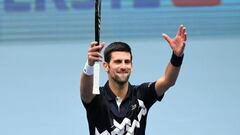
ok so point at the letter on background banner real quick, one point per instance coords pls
(146, 3)
(12, 6)
(196, 2)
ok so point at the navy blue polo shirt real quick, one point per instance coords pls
(105, 117)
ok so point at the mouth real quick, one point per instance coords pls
(122, 73)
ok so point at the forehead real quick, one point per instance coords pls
(120, 55)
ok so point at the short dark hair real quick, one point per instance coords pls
(116, 46)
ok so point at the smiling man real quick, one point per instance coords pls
(121, 108)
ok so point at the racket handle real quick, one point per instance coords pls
(96, 70)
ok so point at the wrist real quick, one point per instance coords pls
(176, 60)
(88, 70)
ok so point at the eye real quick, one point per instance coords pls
(118, 61)
(127, 61)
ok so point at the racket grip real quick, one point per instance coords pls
(96, 70)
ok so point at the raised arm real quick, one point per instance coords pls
(86, 81)
(171, 73)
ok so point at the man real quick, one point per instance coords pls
(121, 108)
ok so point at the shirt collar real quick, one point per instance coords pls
(111, 96)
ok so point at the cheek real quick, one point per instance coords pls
(113, 69)
(110, 69)
(130, 67)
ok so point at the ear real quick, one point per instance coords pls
(106, 67)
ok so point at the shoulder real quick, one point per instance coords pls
(147, 92)
(144, 86)
(142, 89)
(96, 101)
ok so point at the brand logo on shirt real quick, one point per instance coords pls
(133, 107)
(126, 127)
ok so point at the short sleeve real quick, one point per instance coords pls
(154, 92)
(92, 104)
(148, 94)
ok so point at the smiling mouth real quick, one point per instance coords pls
(122, 72)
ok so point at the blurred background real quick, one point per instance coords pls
(43, 48)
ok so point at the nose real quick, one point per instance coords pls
(123, 66)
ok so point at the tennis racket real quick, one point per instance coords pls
(96, 69)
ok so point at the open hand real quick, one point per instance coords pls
(178, 42)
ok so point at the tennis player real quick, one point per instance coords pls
(122, 108)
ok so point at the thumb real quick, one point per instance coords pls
(166, 37)
(102, 45)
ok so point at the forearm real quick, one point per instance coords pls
(86, 86)
(86, 83)
(170, 76)
(167, 80)
(173, 69)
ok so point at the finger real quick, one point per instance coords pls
(179, 33)
(95, 48)
(94, 43)
(183, 31)
(92, 58)
(95, 54)
(185, 36)
(166, 37)
(182, 50)
(102, 45)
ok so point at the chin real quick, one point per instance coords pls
(123, 80)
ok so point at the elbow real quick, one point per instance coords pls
(171, 83)
(85, 98)
(163, 84)
(86, 95)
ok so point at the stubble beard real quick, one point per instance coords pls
(121, 80)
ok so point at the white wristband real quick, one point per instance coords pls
(88, 70)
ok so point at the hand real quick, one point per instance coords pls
(178, 43)
(94, 52)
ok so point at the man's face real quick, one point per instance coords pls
(120, 66)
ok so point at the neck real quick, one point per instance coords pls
(119, 90)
